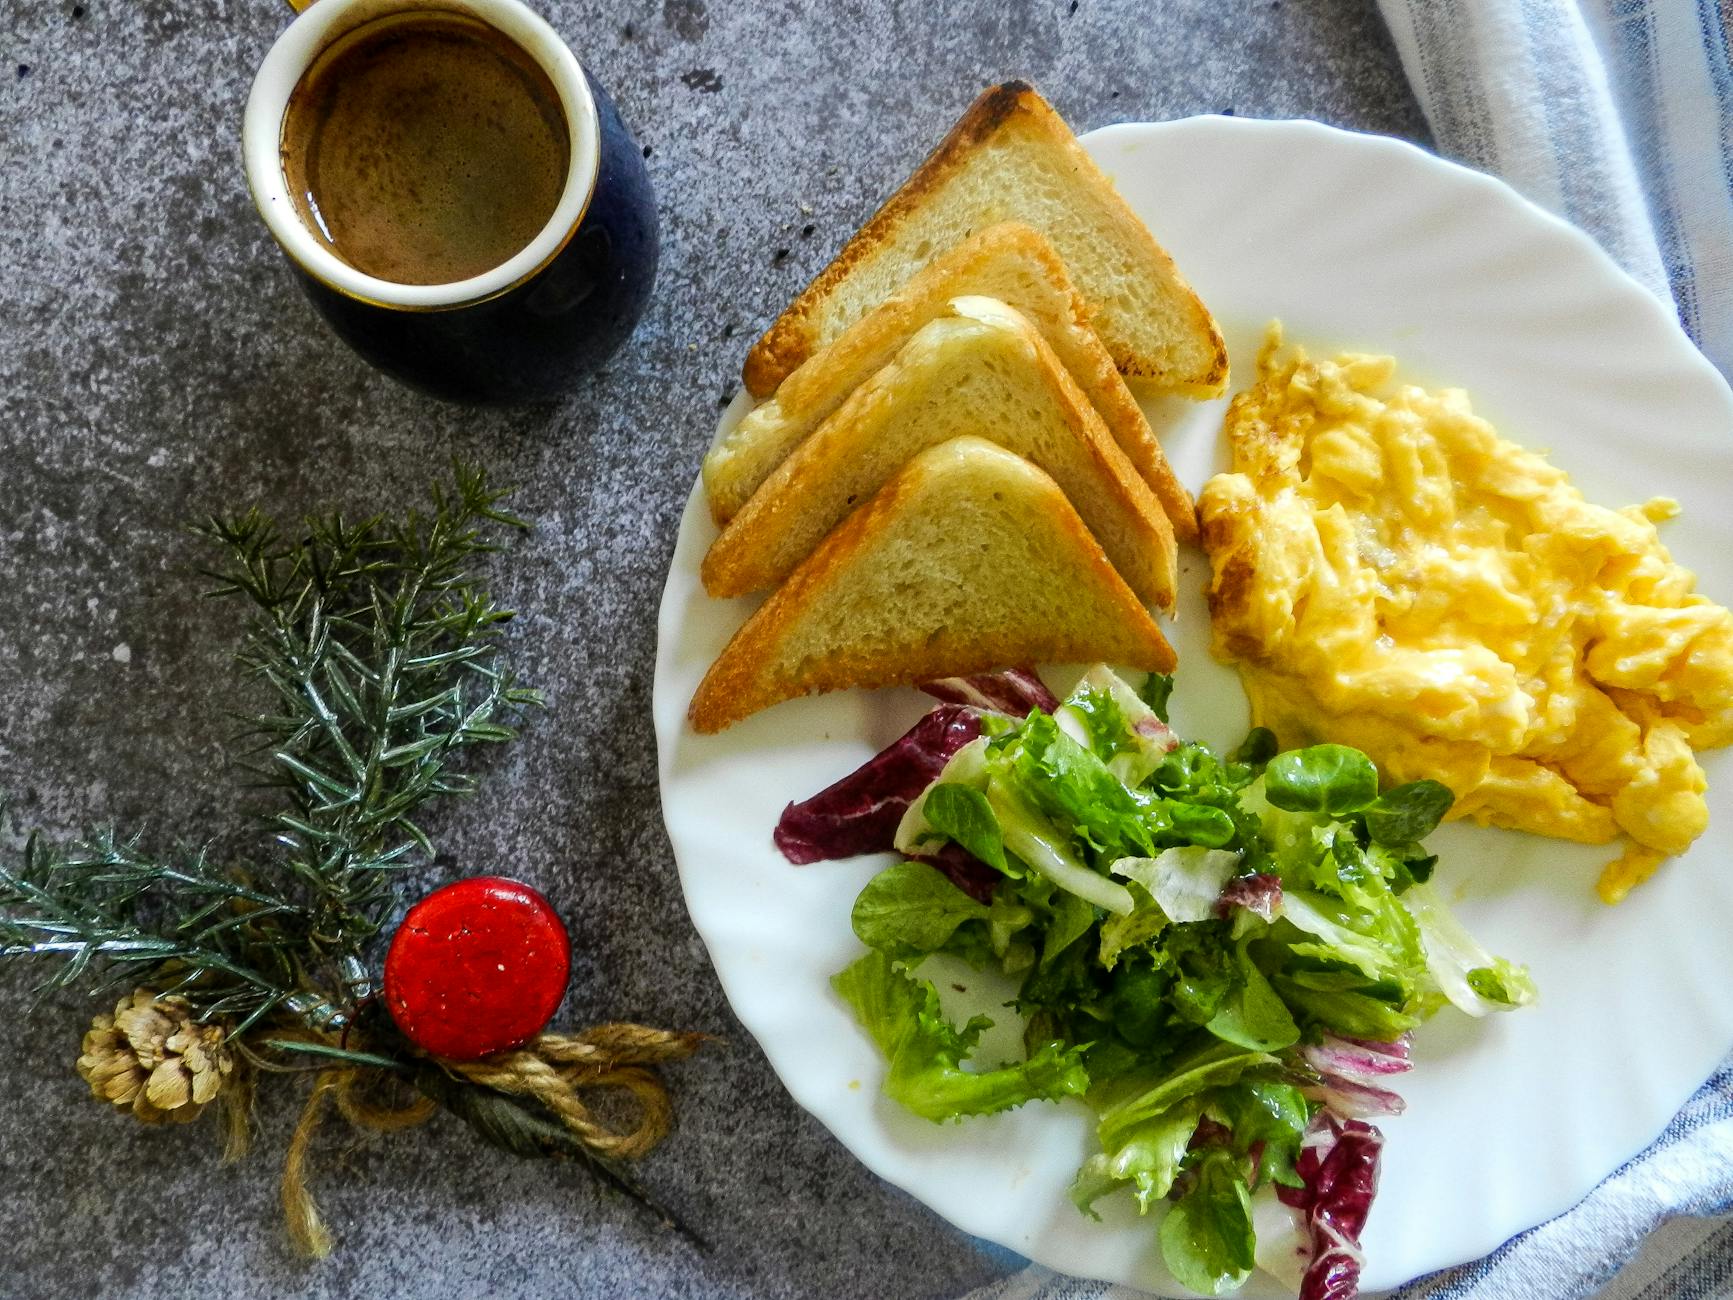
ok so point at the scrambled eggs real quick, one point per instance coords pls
(1391, 574)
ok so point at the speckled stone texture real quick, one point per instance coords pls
(156, 361)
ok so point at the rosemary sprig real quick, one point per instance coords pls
(116, 916)
(382, 659)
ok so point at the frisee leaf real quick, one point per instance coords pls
(926, 1052)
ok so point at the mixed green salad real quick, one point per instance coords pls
(1221, 956)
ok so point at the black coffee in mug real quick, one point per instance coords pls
(425, 149)
(455, 192)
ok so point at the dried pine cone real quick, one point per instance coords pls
(152, 1057)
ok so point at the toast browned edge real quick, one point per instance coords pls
(730, 691)
(721, 568)
(1118, 407)
(786, 344)
(1169, 491)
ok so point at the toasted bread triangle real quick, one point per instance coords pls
(970, 559)
(1012, 158)
(1010, 262)
(981, 370)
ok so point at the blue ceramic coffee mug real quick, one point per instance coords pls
(527, 328)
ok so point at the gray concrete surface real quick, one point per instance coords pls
(156, 361)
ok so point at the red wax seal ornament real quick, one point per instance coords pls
(477, 967)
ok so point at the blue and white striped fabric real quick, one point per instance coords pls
(1615, 114)
(1618, 116)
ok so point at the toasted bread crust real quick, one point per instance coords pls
(737, 686)
(789, 341)
(736, 562)
(742, 460)
(792, 337)
(1107, 387)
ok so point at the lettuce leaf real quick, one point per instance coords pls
(1046, 849)
(1148, 1157)
(1072, 788)
(1207, 1240)
(1472, 979)
(1140, 1097)
(967, 766)
(1121, 933)
(1119, 726)
(1186, 883)
(910, 910)
(1103, 721)
(1333, 923)
(1226, 953)
(926, 1052)
(1345, 1004)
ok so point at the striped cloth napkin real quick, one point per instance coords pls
(1618, 116)
(1615, 114)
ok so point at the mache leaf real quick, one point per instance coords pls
(1407, 813)
(1253, 1014)
(1332, 779)
(962, 813)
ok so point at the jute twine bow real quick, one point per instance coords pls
(555, 1070)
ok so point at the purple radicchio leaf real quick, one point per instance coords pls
(1209, 1133)
(964, 870)
(1353, 1074)
(860, 813)
(1338, 1164)
(1260, 893)
(1156, 732)
(1011, 690)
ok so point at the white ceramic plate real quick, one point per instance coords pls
(1353, 241)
